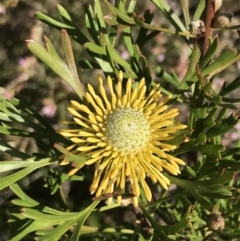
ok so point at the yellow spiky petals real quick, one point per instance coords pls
(125, 135)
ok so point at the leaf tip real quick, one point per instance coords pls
(64, 32)
(28, 41)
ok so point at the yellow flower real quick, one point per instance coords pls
(125, 135)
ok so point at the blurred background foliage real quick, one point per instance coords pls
(24, 77)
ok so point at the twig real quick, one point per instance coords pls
(209, 16)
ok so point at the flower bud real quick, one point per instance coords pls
(218, 4)
(222, 20)
(197, 27)
(216, 222)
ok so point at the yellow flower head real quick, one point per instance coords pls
(125, 135)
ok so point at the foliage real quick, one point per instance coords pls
(209, 182)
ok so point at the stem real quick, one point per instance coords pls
(209, 16)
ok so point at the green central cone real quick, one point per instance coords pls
(127, 129)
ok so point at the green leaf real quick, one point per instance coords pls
(56, 233)
(208, 149)
(46, 18)
(116, 12)
(44, 217)
(64, 14)
(14, 111)
(232, 210)
(230, 152)
(24, 108)
(100, 21)
(26, 201)
(222, 127)
(112, 53)
(39, 215)
(169, 14)
(194, 188)
(8, 130)
(55, 179)
(143, 35)
(232, 86)
(75, 82)
(111, 20)
(210, 52)
(84, 215)
(169, 78)
(131, 6)
(229, 106)
(126, 20)
(140, 22)
(85, 64)
(216, 192)
(127, 37)
(95, 48)
(6, 148)
(51, 58)
(231, 100)
(104, 65)
(12, 178)
(11, 113)
(72, 30)
(191, 171)
(194, 59)
(210, 119)
(185, 9)
(91, 23)
(199, 10)
(173, 228)
(12, 165)
(227, 58)
(31, 226)
(120, 5)
(78, 160)
(19, 192)
(205, 203)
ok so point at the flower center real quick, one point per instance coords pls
(127, 129)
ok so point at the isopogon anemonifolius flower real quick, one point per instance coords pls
(125, 133)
